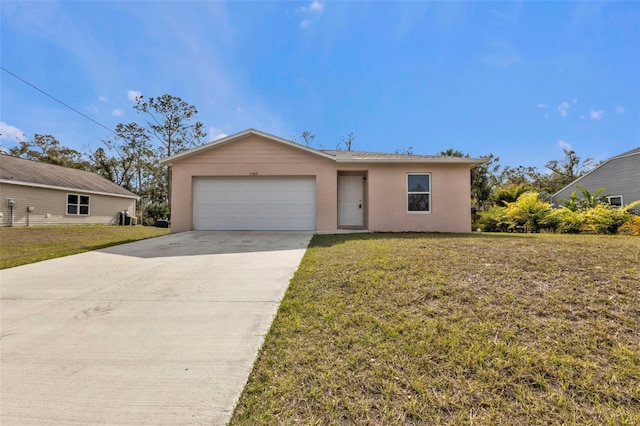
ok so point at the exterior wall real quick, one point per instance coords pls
(386, 191)
(621, 176)
(450, 198)
(103, 209)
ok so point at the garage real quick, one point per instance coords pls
(252, 203)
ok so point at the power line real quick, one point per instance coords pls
(56, 99)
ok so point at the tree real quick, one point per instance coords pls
(308, 137)
(566, 170)
(129, 159)
(172, 124)
(47, 149)
(347, 141)
(483, 177)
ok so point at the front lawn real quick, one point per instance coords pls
(22, 245)
(444, 329)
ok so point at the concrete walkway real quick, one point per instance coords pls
(161, 331)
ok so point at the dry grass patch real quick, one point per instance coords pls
(22, 245)
(442, 329)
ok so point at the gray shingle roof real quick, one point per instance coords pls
(21, 171)
(633, 151)
(378, 155)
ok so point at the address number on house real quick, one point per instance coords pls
(253, 173)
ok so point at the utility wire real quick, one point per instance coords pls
(57, 100)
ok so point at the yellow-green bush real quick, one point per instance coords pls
(528, 212)
(607, 219)
(494, 220)
(631, 227)
(564, 220)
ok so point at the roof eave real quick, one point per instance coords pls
(65, 188)
(469, 161)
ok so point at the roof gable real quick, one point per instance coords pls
(239, 136)
(19, 171)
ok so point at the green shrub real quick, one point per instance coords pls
(494, 220)
(508, 194)
(155, 212)
(528, 212)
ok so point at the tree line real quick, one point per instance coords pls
(130, 158)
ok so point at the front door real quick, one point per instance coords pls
(351, 201)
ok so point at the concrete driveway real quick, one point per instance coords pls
(161, 331)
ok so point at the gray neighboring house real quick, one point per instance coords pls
(34, 193)
(619, 174)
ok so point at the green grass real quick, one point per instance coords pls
(22, 245)
(444, 329)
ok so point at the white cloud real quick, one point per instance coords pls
(563, 108)
(11, 133)
(575, 101)
(314, 7)
(103, 99)
(596, 115)
(620, 109)
(215, 134)
(118, 112)
(133, 95)
(565, 145)
(542, 106)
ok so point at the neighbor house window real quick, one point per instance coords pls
(419, 193)
(615, 201)
(78, 204)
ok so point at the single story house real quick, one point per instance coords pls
(256, 181)
(619, 174)
(34, 193)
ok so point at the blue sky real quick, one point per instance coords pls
(520, 80)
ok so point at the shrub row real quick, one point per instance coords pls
(530, 214)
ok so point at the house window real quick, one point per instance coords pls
(615, 200)
(419, 193)
(78, 204)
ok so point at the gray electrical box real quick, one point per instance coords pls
(11, 202)
(30, 209)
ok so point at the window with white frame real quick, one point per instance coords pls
(615, 200)
(418, 193)
(77, 204)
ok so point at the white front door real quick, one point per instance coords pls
(350, 201)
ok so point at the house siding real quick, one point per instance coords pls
(254, 155)
(621, 176)
(103, 209)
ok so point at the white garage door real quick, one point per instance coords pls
(255, 203)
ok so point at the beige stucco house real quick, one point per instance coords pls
(35, 194)
(256, 181)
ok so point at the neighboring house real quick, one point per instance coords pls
(255, 181)
(34, 193)
(619, 174)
